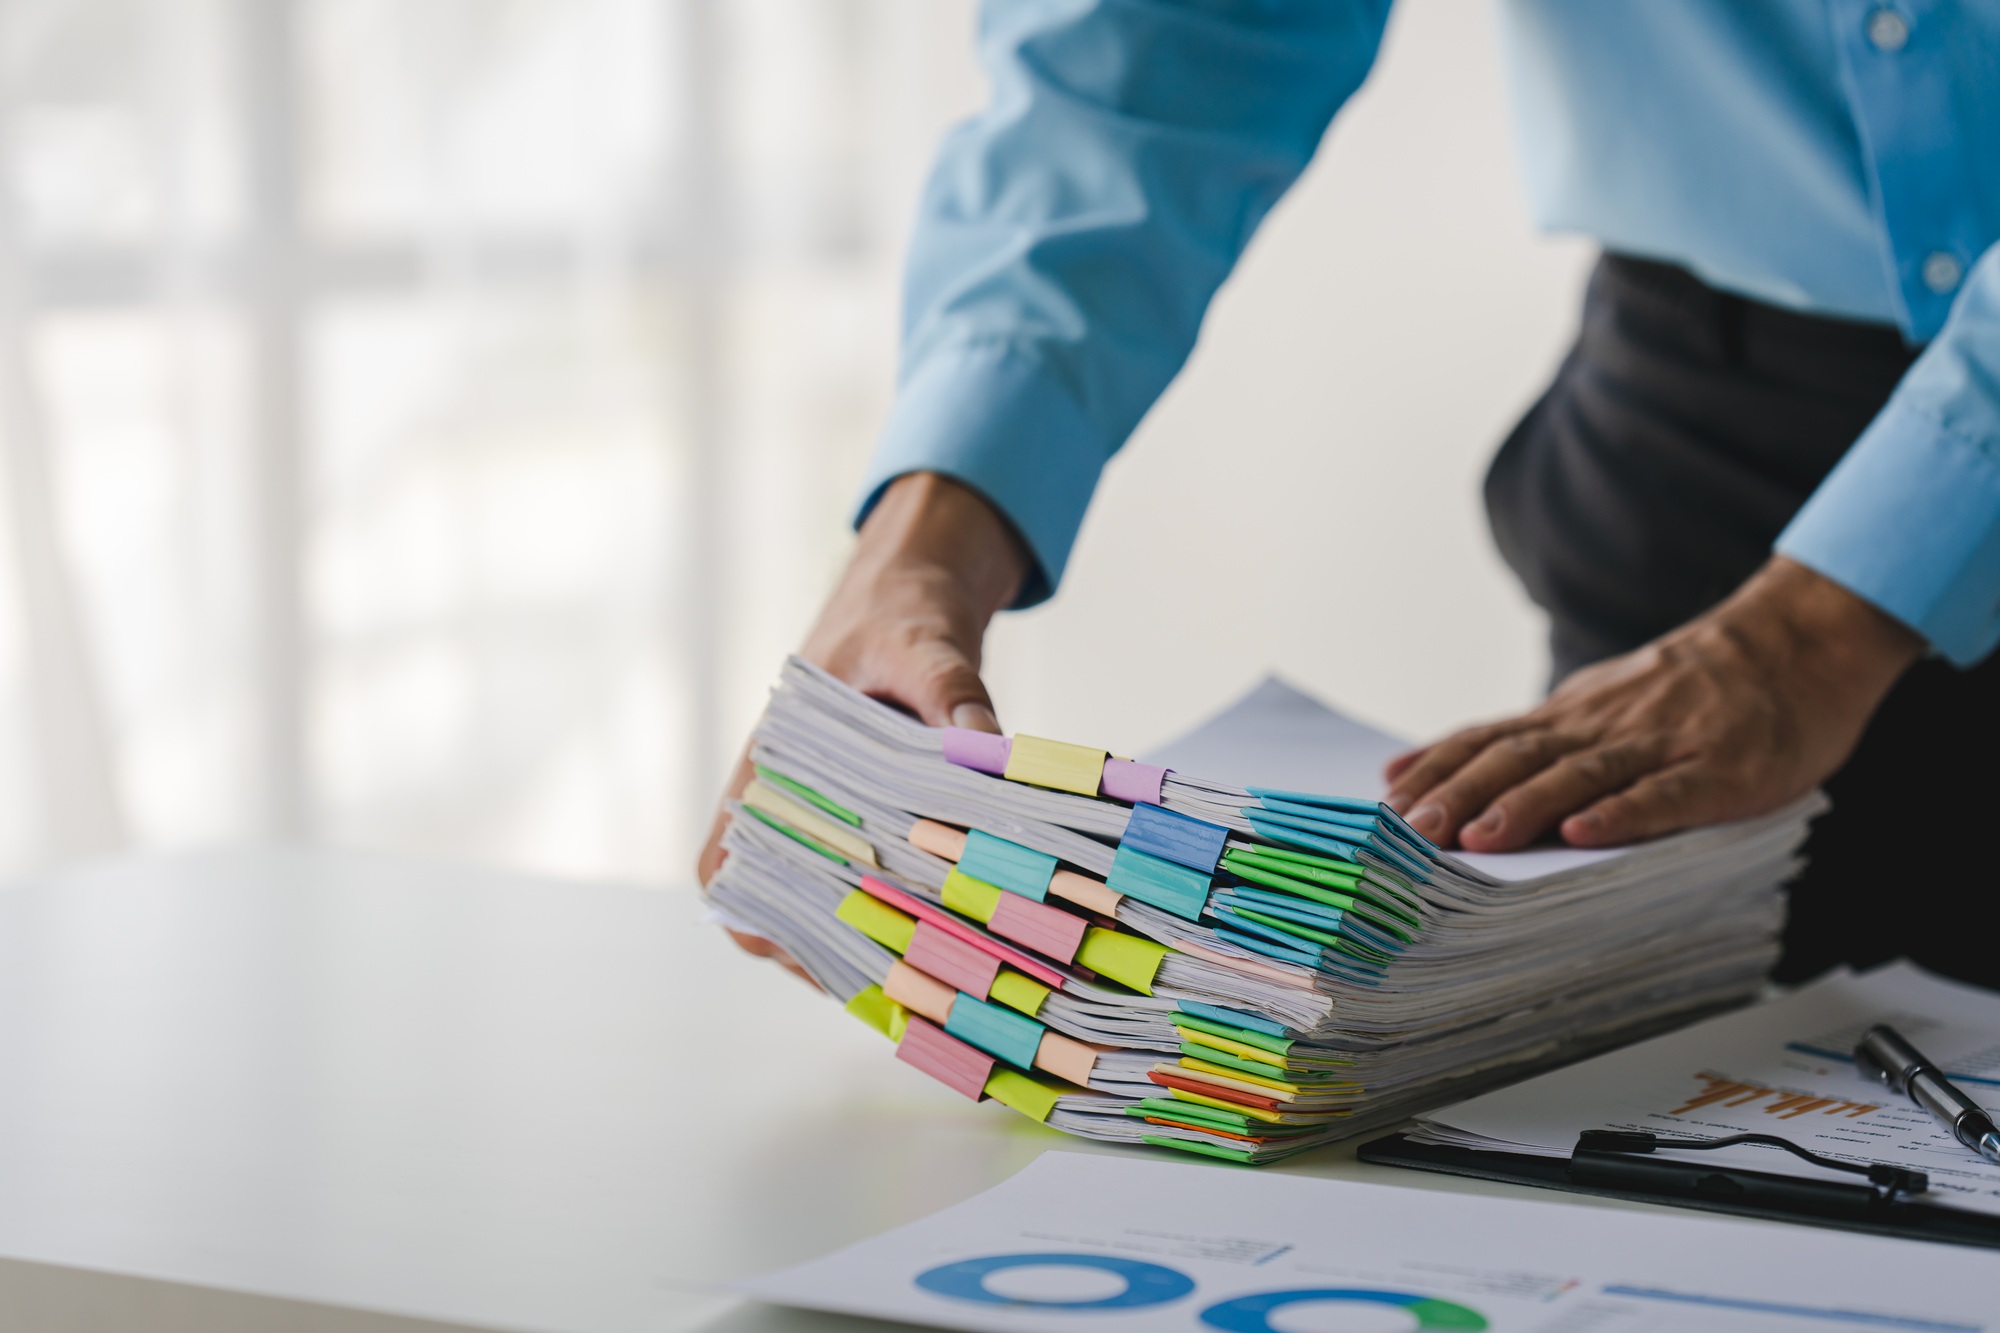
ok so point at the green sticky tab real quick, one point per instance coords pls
(970, 897)
(877, 920)
(1018, 992)
(1206, 1149)
(807, 794)
(1032, 1097)
(1173, 1110)
(804, 838)
(1129, 959)
(1011, 866)
(1220, 1057)
(1271, 879)
(1263, 1040)
(875, 1009)
(1167, 886)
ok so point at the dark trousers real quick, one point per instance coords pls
(1680, 435)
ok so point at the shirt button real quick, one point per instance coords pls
(1888, 30)
(1942, 271)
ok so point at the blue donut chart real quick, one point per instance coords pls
(1145, 1284)
(1252, 1314)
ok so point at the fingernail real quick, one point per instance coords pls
(975, 717)
(1487, 824)
(1587, 825)
(1427, 819)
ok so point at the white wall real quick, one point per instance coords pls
(1306, 498)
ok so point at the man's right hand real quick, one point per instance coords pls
(934, 563)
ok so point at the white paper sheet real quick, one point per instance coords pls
(1279, 736)
(1108, 1244)
(1783, 1067)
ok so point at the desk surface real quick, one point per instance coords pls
(281, 1089)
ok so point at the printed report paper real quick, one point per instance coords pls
(1784, 1067)
(1079, 1242)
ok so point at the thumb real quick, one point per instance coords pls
(947, 692)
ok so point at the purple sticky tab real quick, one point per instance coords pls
(977, 749)
(1135, 783)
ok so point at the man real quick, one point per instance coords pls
(1759, 502)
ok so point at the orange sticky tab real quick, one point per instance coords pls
(1056, 764)
(1085, 892)
(938, 839)
(1066, 1057)
(919, 992)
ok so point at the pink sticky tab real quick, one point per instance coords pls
(952, 961)
(962, 1068)
(977, 749)
(1134, 783)
(1047, 930)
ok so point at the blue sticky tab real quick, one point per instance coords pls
(1268, 949)
(1346, 803)
(1364, 823)
(1194, 843)
(1215, 1013)
(1269, 826)
(1013, 1037)
(1172, 888)
(1009, 865)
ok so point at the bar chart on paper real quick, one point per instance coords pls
(1077, 1242)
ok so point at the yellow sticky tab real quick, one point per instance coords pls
(899, 1023)
(1126, 958)
(761, 795)
(970, 897)
(1030, 1096)
(877, 920)
(877, 1010)
(1278, 1086)
(1018, 992)
(1065, 767)
(1254, 1112)
(1237, 1048)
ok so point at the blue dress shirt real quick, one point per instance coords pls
(1836, 156)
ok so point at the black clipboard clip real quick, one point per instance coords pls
(1621, 1159)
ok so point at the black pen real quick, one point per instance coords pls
(1884, 1054)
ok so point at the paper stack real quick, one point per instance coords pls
(1140, 952)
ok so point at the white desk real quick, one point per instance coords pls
(283, 1089)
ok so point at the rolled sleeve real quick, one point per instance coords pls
(998, 418)
(1910, 519)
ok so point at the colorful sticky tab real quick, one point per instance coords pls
(980, 750)
(1238, 1018)
(1017, 869)
(1195, 843)
(919, 992)
(1047, 930)
(1138, 784)
(1057, 764)
(1172, 888)
(1066, 1057)
(1129, 959)
(1018, 992)
(952, 960)
(996, 1031)
(874, 1007)
(766, 799)
(1032, 1097)
(1091, 894)
(807, 794)
(962, 1068)
(940, 840)
(951, 925)
(877, 920)
(970, 897)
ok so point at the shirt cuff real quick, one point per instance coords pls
(1908, 520)
(1000, 420)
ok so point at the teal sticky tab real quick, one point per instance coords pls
(1002, 1032)
(1349, 804)
(1171, 888)
(1278, 829)
(1215, 1013)
(1361, 823)
(1009, 865)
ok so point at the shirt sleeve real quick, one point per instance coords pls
(1910, 518)
(1073, 232)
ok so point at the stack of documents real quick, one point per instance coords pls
(1176, 954)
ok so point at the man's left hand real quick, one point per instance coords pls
(1740, 711)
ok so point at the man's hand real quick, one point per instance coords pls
(935, 562)
(1745, 708)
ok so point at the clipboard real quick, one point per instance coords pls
(1908, 1221)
